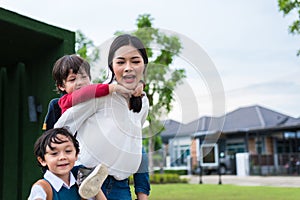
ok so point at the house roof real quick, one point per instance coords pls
(171, 129)
(177, 129)
(253, 117)
(240, 120)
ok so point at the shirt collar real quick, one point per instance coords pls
(56, 182)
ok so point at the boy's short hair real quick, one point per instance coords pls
(63, 65)
(50, 136)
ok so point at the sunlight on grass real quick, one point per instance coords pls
(221, 192)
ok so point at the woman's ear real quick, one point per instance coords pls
(42, 161)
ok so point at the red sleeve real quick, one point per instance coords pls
(83, 94)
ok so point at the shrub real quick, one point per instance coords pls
(166, 178)
(171, 171)
(163, 179)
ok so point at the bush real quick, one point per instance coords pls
(166, 178)
(171, 171)
(163, 179)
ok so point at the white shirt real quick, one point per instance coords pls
(108, 133)
(37, 192)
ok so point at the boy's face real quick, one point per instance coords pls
(61, 159)
(128, 66)
(75, 81)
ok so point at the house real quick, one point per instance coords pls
(271, 138)
(28, 51)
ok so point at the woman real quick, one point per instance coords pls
(109, 129)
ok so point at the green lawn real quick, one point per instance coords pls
(221, 192)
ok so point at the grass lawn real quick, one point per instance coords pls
(221, 192)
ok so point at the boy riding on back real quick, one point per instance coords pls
(72, 76)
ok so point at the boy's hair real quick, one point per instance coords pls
(63, 65)
(51, 136)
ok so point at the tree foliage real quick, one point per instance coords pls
(287, 7)
(85, 47)
(161, 79)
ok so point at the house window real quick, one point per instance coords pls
(260, 145)
(238, 147)
(290, 143)
(291, 134)
(209, 154)
(181, 154)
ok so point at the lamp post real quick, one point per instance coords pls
(220, 180)
(200, 173)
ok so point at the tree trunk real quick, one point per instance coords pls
(150, 149)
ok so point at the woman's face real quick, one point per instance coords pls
(128, 66)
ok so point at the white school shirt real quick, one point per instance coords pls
(37, 191)
(108, 133)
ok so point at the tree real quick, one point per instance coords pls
(287, 7)
(85, 47)
(161, 79)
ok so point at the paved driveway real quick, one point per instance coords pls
(277, 181)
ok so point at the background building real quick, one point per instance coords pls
(271, 139)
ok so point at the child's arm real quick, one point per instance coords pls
(139, 89)
(121, 90)
(142, 196)
(41, 190)
(88, 92)
(37, 193)
(77, 115)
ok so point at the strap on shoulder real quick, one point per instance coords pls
(53, 114)
(46, 186)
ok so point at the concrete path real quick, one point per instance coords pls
(277, 181)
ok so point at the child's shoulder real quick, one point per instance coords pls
(46, 187)
(52, 115)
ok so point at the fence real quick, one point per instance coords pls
(276, 164)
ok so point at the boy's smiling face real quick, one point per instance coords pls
(75, 81)
(60, 158)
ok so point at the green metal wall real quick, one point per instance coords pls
(28, 51)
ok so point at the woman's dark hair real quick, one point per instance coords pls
(63, 65)
(49, 137)
(124, 40)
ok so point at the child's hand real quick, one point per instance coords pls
(100, 196)
(123, 91)
(138, 90)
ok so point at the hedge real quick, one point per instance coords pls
(163, 179)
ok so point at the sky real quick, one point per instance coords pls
(247, 43)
